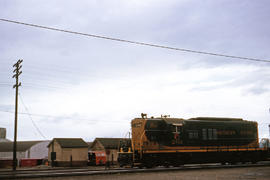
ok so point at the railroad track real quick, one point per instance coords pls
(38, 173)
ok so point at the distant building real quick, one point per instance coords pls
(89, 145)
(110, 146)
(25, 149)
(4, 140)
(69, 151)
(3, 133)
(264, 143)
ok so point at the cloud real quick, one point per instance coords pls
(250, 79)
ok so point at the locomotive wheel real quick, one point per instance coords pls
(254, 161)
(166, 164)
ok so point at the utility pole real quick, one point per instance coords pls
(269, 127)
(269, 130)
(17, 72)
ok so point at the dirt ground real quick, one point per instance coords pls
(258, 173)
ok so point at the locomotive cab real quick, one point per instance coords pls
(164, 131)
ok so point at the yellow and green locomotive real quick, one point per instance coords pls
(174, 141)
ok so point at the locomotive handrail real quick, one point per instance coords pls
(141, 144)
(133, 149)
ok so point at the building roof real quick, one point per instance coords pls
(4, 140)
(70, 142)
(110, 143)
(89, 145)
(22, 146)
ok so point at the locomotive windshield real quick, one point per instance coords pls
(156, 130)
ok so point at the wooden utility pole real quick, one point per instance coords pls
(17, 72)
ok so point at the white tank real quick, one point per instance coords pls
(3, 133)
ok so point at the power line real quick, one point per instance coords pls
(31, 118)
(66, 117)
(31, 85)
(137, 42)
(6, 84)
(41, 115)
(38, 115)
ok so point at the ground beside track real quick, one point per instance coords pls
(245, 173)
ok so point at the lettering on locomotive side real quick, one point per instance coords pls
(226, 132)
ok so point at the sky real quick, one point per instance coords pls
(78, 86)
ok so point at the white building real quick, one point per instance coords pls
(3, 133)
(25, 149)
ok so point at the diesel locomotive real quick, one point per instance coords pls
(166, 141)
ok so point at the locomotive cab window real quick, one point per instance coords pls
(193, 134)
(209, 134)
(214, 134)
(204, 134)
(177, 128)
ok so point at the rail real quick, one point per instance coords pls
(41, 173)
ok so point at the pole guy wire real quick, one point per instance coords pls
(33, 122)
(137, 42)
